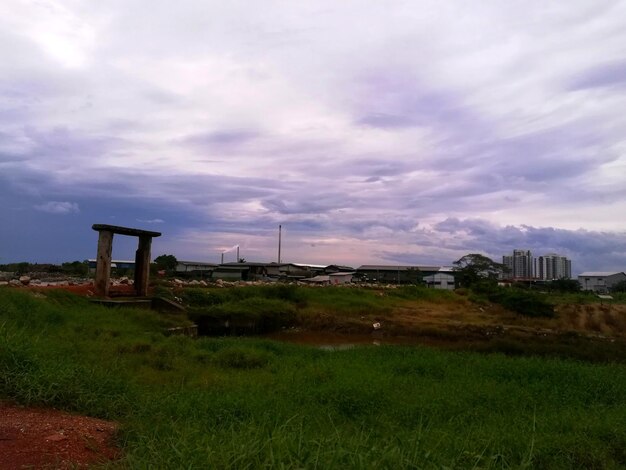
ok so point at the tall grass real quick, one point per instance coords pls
(235, 403)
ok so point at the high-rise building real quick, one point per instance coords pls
(520, 265)
(553, 266)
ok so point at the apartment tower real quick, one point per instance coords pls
(520, 265)
(553, 266)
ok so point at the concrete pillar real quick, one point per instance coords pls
(142, 265)
(103, 263)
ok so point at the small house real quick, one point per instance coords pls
(600, 282)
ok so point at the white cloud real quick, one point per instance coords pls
(151, 221)
(58, 207)
(296, 112)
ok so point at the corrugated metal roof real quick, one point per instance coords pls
(322, 278)
(195, 263)
(231, 268)
(249, 263)
(384, 267)
(340, 266)
(122, 261)
(388, 267)
(599, 273)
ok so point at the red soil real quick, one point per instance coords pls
(44, 438)
(87, 290)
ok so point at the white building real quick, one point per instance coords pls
(340, 278)
(600, 282)
(194, 266)
(332, 279)
(440, 280)
(552, 266)
(520, 265)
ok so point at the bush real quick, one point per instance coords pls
(565, 285)
(522, 302)
(163, 292)
(258, 313)
(201, 297)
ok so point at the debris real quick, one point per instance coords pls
(377, 326)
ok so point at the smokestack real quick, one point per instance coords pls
(222, 262)
(280, 229)
(238, 253)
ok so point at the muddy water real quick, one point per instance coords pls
(338, 341)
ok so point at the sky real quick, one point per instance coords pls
(400, 132)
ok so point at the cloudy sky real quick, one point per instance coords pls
(374, 132)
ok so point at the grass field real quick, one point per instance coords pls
(246, 403)
(456, 320)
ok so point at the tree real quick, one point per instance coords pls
(413, 276)
(76, 268)
(619, 287)
(474, 269)
(564, 285)
(166, 262)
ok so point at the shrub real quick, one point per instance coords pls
(201, 297)
(522, 302)
(163, 292)
(262, 314)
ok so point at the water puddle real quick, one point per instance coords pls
(338, 341)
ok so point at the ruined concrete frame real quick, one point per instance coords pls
(105, 249)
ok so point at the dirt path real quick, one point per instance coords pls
(45, 438)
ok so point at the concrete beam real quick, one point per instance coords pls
(142, 266)
(103, 263)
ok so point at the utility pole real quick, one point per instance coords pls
(280, 229)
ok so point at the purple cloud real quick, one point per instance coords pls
(416, 133)
(600, 76)
(219, 140)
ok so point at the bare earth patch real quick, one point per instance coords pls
(44, 438)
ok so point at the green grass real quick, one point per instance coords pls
(582, 298)
(244, 403)
(271, 307)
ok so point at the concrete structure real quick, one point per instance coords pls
(231, 273)
(252, 271)
(520, 265)
(600, 282)
(330, 279)
(340, 278)
(337, 268)
(322, 279)
(105, 248)
(552, 266)
(389, 274)
(115, 264)
(296, 271)
(441, 280)
(400, 274)
(194, 267)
